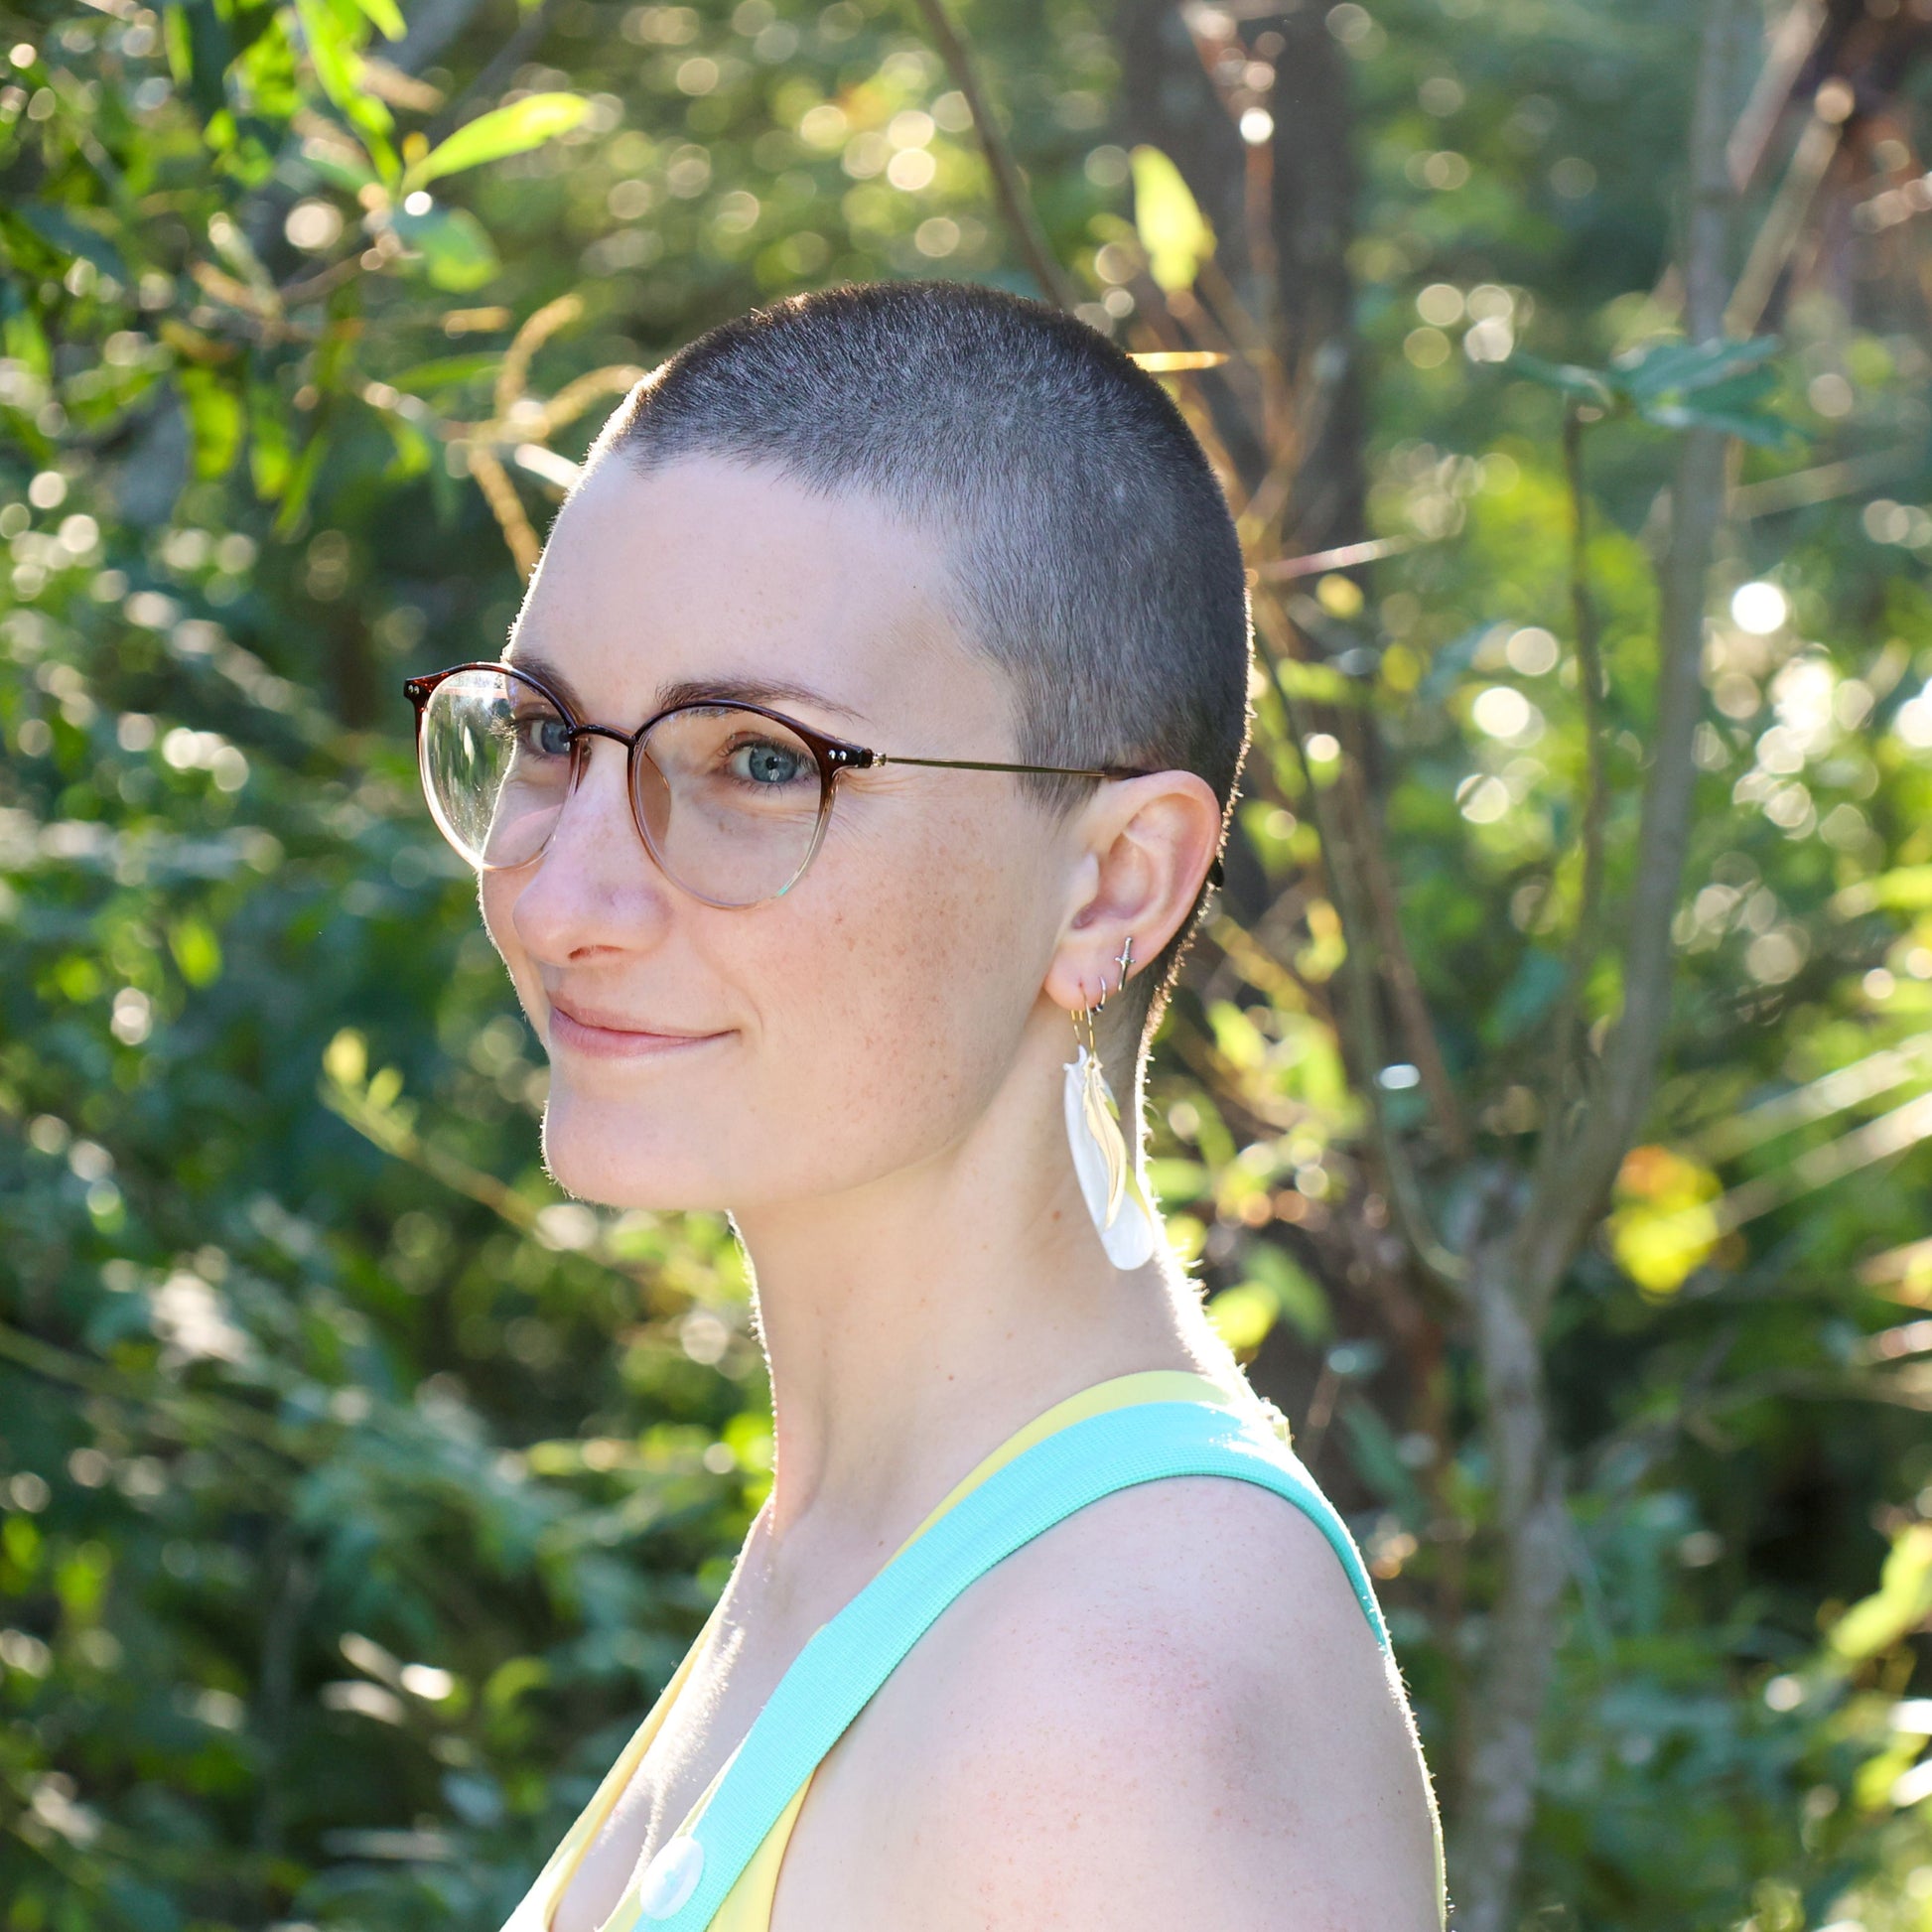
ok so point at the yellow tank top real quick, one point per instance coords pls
(747, 1905)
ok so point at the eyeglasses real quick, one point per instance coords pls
(731, 799)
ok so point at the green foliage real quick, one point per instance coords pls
(516, 129)
(1678, 385)
(359, 1491)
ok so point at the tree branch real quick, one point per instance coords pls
(1517, 1271)
(1009, 186)
(1591, 688)
(1569, 1197)
(1445, 1270)
(1418, 1026)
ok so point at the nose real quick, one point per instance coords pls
(596, 886)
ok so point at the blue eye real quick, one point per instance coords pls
(540, 734)
(762, 763)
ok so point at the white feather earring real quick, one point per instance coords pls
(1111, 1181)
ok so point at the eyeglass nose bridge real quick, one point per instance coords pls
(580, 750)
(579, 735)
(637, 749)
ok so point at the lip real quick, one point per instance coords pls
(612, 1035)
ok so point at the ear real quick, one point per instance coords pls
(1143, 847)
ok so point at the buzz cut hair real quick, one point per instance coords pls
(1089, 545)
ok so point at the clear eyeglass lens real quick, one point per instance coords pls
(495, 760)
(729, 801)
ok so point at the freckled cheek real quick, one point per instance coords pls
(910, 969)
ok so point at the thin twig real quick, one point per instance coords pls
(1442, 1269)
(512, 376)
(525, 546)
(1784, 225)
(1009, 186)
(1596, 799)
(1517, 1274)
(1405, 994)
(529, 31)
(1570, 1194)
(1347, 556)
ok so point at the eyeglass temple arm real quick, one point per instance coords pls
(984, 765)
(1216, 873)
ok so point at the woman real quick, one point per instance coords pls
(918, 628)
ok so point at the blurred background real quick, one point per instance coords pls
(1543, 1108)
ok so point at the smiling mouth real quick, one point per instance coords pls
(599, 1035)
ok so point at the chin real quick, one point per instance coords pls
(623, 1157)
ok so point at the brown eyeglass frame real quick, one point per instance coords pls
(833, 755)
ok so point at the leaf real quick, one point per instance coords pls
(1373, 1450)
(1173, 230)
(337, 68)
(1176, 1180)
(516, 129)
(447, 372)
(62, 232)
(1587, 385)
(197, 951)
(1902, 1603)
(1664, 1227)
(1731, 406)
(414, 450)
(1242, 1316)
(385, 16)
(1681, 368)
(1300, 1298)
(295, 492)
(338, 164)
(215, 421)
(1319, 683)
(457, 255)
(270, 456)
(199, 53)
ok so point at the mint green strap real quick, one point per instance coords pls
(846, 1661)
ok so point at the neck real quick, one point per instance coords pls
(913, 1324)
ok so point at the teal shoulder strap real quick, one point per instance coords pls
(835, 1675)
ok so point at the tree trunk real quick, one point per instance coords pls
(1283, 214)
(1519, 1273)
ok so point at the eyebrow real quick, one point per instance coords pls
(729, 690)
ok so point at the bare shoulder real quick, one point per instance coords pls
(1169, 1710)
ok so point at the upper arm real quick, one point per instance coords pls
(1182, 1719)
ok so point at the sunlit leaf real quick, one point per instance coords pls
(1243, 1316)
(516, 129)
(386, 17)
(1174, 231)
(1902, 1603)
(197, 951)
(1664, 1227)
(215, 420)
(1299, 1297)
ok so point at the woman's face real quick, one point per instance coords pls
(711, 1058)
